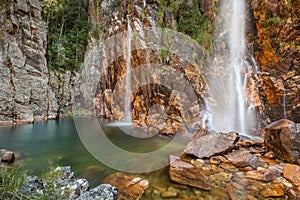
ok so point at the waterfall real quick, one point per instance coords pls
(230, 73)
(127, 85)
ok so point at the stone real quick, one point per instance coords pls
(68, 184)
(292, 173)
(243, 158)
(129, 187)
(101, 192)
(168, 194)
(32, 185)
(205, 146)
(187, 174)
(274, 190)
(6, 156)
(264, 174)
(281, 138)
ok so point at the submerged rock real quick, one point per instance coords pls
(282, 138)
(129, 187)
(6, 156)
(101, 192)
(205, 146)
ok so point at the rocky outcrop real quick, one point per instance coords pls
(167, 76)
(26, 93)
(283, 139)
(275, 39)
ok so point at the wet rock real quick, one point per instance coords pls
(6, 156)
(204, 146)
(274, 190)
(243, 158)
(292, 173)
(101, 192)
(281, 138)
(129, 187)
(187, 174)
(264, 174)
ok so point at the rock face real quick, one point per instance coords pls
(274, 36)
(129, 187)
(26, 93)
(204, 146)
(161, 94)
(282, 138)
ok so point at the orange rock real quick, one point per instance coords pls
(292, 173)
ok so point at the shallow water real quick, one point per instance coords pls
(50, 143)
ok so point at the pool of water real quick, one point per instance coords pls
(44, 144)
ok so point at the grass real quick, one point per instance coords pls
(12, 180)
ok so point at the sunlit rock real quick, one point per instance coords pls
(129, 187)
(292, 173)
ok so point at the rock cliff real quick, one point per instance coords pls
(28, 91)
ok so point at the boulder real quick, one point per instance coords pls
(207, 145)
(6, 156)
(101, 192)
(187, 174)
(243, 158)
(129, 187)
(282, 138)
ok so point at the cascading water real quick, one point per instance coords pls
(127, 85)
(230, 110)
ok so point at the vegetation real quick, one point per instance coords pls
(12, 180)
(189, 20)
(68, 31)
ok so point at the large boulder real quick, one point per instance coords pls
(205, 145)
(282, 138)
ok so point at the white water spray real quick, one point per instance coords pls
(230, 74)
(127, 106)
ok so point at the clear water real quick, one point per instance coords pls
(50, 143)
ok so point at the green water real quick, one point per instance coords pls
(44, 144)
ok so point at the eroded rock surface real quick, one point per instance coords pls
(282, 138)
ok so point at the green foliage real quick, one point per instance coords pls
(12, 180)
(68, 31)
(273, 21)
(189, 20)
